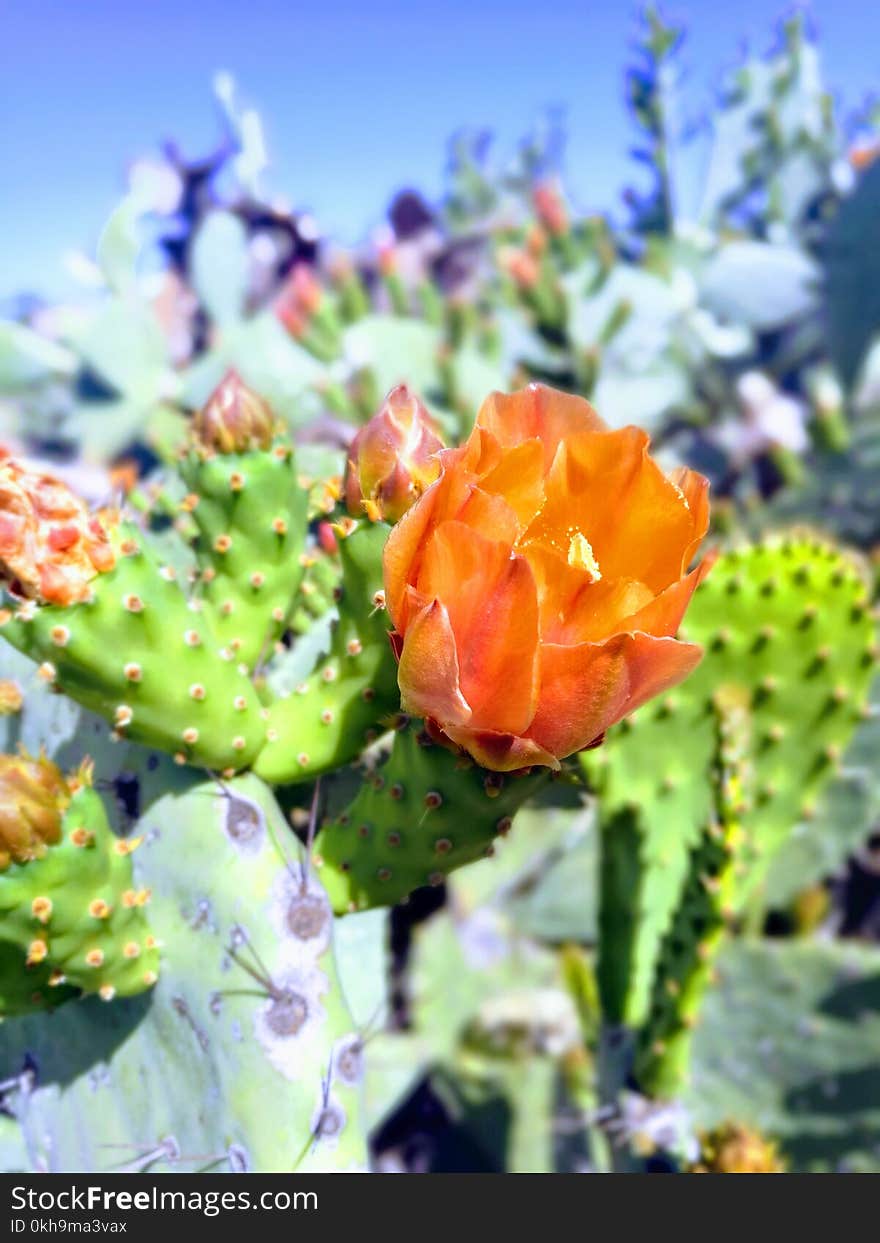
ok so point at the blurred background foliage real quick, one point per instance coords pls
(746, 339)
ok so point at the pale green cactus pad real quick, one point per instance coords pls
(73, 920)
(248, 1017)
(786, 626)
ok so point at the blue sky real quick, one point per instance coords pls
(357, 98)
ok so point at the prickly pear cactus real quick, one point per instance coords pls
(422, 814)
(144, 656)
(249, 512)
(687, 953)
(672, 810)
(73, 919)
(247, 1018)
(332, 715)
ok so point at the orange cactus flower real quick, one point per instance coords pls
(536, 587)
(51, 546)
(392, 459)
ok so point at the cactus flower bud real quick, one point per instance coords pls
(733, 1148)
(550, 209)
(392, 459)
(51, 546)
(520, 266)
(299, 300)
(234, 419)
(33, 796)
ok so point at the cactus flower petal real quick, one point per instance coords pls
(540, 413)
(430, 668)
(589, 687)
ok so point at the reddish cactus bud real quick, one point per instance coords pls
(124, 475)
(386, 258)
(299, 300)
(327, 538)
(393, 459)
(550, 209)
(33, 796)
(521, 266)
(234, 419)
(51, 547)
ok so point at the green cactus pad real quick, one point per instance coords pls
(317, 592)
(655, 778)
(250, 513)
(788, 622)
(328, 720)
(148, 660)
(73, 918)
(244, 1057)
(687, 955)
(419, 817)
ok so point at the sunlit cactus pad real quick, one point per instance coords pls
(73, 918)
(787, 625)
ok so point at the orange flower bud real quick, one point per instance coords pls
(234, 419)
(536, 241)
(863, 155)
(392, 459)
(387, 259)
(327, 538)
(550, 209)
(299, 300)
(33, 796)
(521, 266)
(536, 587)
(51, 547)
(124, 474)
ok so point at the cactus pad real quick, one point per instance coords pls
(787, 624)
(72, 917)
(327, 721)
(147, 659)
(423, 814)
(250, 514)
(247, 1018)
